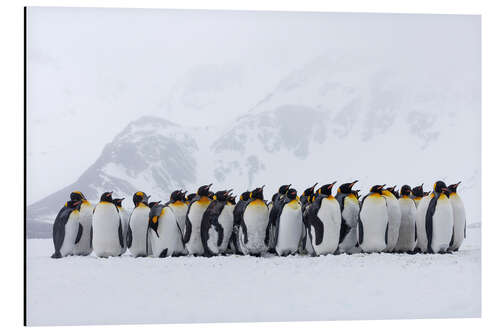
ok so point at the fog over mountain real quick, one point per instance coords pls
(390, 99)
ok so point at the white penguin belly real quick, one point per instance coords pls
(442, 225)
(374, 218)
(194, 245)
(407, 237)
(256, 218)
(459, 223)
(350, 215)
(420, 222)
(138, 223)
(394, 218)
(70, 232)
(105, 223)
(329, 214)
(83, 246)
(226, 221)
(290, 229)
(168, 242)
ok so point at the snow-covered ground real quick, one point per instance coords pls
(89, 290)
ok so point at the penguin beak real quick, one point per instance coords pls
(262, 188)
(352, 184)
(209, 185)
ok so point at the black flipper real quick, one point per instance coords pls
(129, 237)
(91, 235)
(180, 233)
(244, 229)
(386, 232)
(360, 232)
(279, 209)
(79, 234)
(415, 232)
(189, 228)
(120, 233)
(344, 230)
(428, 221)
(452, 238)
(164, 253)
(220, 232)
(465, 228)
(314, 221)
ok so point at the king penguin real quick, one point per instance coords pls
(124, 220)
(254, 224)
(234, 244)
(276, 207)
(196, 209)
(394, 212)
(65, 229)
(305, 202)
(226, 220)
(82, 246)
(459, 224)
(137, 234)
(107, 233)
(323, 220)
(373, 221)
(438, 221)
(349, 206)
(164, 232)
(289, 225)
(212, 231)
(179, 206)
(407, 231)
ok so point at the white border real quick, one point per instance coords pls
(11, 193)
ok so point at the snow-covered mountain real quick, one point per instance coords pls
(323, 122)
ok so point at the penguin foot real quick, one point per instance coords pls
(56, 255)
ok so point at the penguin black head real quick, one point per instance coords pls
(245, 196)
(232, 199)
(377, 189)
(190, 197)
(118, 202)
(222, 195)
(405, 190)
(140, 197)
(393, 191)
(453, 187)
(326, 189)
(153, 204)
(177, 196)
(440, 187)
(204, 190)
(107, 197)
(291, 193)
(283, 188)
(74, 204)
(258, 193)
(418, 191)
(347, 188)
(309, 191)
(77, 195)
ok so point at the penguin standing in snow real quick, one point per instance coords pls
(373, 221)
(164, 232)
(438, 221)
(323, 221)
(123, 220)
(394, 212)
(349, 207)
(289, 225)
(254, 224)
(459, 224)
(107, 233)
(422, 206)
(65, 229)
(407, 231)
(137, 234)
(82, 243)
(275, 207)
(212, 231)
(179, 206)
(234, 244)
(305, 202)
(226, 220)
(196, 209)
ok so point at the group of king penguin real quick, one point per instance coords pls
(315, 223)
